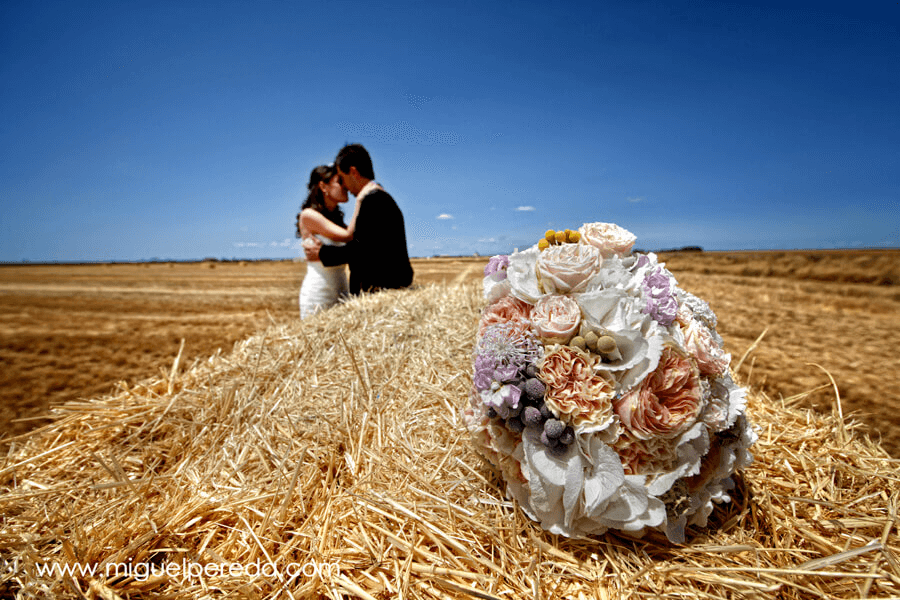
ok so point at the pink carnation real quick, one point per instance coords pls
(574, 390)
(667, 402)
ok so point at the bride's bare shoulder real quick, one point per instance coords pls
(310, 217)
(313, 221)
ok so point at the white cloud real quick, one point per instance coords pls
(444, 216)
(636, 199)
(525, 208)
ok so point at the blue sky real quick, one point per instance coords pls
(185, 130)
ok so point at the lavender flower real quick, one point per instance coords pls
(496, 267)
(482, 378)
(661, 303)
(505, 373)
(502, 399)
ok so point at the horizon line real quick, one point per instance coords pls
(692, 249)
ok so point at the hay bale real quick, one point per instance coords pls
(333, 449)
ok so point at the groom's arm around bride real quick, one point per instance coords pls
(377, 255)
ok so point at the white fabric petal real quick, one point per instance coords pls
(548, 476)
(633, 509)
(737, 400)
(605, 477)
(633, 376)
(565, 490)
(692, 447)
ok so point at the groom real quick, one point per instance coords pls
(377, 255)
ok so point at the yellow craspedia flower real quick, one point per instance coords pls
(550, 236)
(543, 245)
(560, 237)
(574, 237)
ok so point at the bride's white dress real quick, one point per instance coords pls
(322, 286)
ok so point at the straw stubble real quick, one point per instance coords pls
(335, 445)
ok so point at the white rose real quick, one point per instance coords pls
(568, 268)
(609, 238)
(522, 275)
(556, 319)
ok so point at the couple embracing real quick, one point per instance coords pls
(373, 245)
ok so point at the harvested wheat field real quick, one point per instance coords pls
(74, 331)
(326, 459)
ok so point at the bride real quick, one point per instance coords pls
(322, 218)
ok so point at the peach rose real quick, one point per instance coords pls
(644, 456)
(568, 268)
(699, 342)
(667, 402)
(574, 391)
(506, 310)
(556, 319)
(609, 238)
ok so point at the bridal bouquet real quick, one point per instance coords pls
(601, 391)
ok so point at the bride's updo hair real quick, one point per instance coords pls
(315, 199)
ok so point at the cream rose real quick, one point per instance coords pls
(556, 319)
(506, 310)
(609, 238)
(568, 268)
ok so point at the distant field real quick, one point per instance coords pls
(72, 331)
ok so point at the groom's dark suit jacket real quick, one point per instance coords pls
(377, 255)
